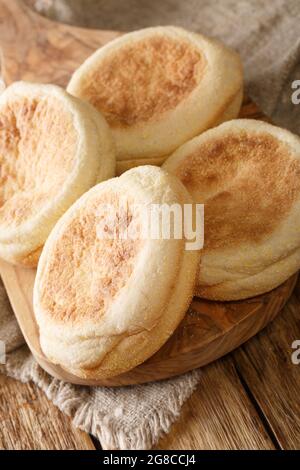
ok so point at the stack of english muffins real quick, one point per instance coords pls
(148, 120)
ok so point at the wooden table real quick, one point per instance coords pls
(249, 399)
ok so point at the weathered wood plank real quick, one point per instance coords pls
(29, 421)
(218, 416)
(273, 380)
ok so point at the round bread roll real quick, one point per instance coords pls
(247, 173)
(105, 305)
(53, 148)
(158, 88)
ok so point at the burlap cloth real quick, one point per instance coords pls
(266, 33)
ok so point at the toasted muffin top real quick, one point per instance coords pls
(247, 181)
(37, 137)
(53, 148)
(86, 271)
(158, 88)
(247, 174)
(142, 79)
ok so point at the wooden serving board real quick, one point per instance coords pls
(37, 49)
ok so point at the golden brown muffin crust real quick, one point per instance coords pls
(247, 182)
(105, 265)
(36, 138)
(148, 77)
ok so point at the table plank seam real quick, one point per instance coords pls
(258, 409)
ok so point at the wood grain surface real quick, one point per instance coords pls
(219, 414)
(249, 399)
(39, 50)
(30, 421)
(272, 379)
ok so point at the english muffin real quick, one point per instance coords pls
(106, 304)
(158, 88)
(247, 173)
(53, 148)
